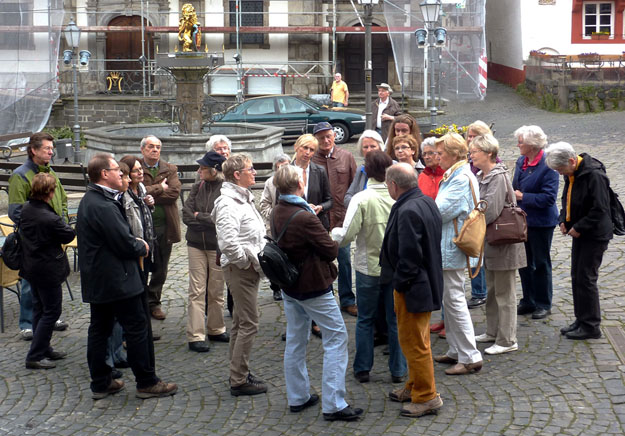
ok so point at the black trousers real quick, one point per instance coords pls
(47, 306)
(162, 253)
(132, 314)
(586, 258)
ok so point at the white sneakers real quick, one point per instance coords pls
(498, 349)
(485, 338)
(26, 334)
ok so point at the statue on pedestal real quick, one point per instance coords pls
(189, 33)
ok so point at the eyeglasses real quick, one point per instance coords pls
(474, 151)
(429, 153)
(113, 169)
(250, 169)
(402, 147)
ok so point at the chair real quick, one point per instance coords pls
(10, 280)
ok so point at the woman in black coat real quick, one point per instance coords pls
(45, 266)
(585, 216)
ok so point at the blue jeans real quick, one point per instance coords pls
(478, 284)
(337, 104)
(26, 306)
(369, 292)
(346, 295)
(115, 352)
(326, 313)
(536, 276)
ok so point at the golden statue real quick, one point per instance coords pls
(189, 32)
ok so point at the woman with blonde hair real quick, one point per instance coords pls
(455, 200)
(403, 124)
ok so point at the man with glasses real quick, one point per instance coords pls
(40, 150)
(112, 285)
(161, 182)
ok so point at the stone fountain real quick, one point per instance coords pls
(185, 143)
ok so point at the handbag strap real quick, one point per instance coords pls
(273, 224)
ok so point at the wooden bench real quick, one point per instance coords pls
(73, 177)
(187, 173)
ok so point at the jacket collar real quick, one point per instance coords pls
(237, 193)
(451, 171)
(104, 192)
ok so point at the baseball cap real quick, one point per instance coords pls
(322, 126)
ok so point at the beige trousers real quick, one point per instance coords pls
(501, 306)
(206, 295)
(243, 284)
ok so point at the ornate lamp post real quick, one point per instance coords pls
(368, 4)
(72, 37)
(430, 9)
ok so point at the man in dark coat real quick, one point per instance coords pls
(111, 283)
(585, 216)
(411, 260)
(384, 110)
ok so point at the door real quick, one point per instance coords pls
(123, 50)
(354, 54)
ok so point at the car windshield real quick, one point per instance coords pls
(313, 103)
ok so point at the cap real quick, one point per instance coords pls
(212, 159)
(385, 86)
(322, 126)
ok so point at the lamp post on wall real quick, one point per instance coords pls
(429, 38)
(72, 37)
(368, 4)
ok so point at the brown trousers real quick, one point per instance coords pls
(413, 330)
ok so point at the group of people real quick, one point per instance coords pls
(402, 208)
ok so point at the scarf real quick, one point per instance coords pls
(453, 168)
(298, 201)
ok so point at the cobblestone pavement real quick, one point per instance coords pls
(550, 386)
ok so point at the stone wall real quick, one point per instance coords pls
(576, 98)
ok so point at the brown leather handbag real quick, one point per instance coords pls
(510, 227)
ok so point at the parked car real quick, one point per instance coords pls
(297, 115)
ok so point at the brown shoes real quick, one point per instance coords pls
(400, 395)
(444, 358)
(414, 410)
(352, 309)
(157, 313)
(160, 389)
(114, 387)
(464, 368)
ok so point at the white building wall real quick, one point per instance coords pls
(504, 32)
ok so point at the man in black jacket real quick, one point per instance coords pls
(411, 259)
(585, 216)
(111, 283)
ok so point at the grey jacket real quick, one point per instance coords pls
(493, 188)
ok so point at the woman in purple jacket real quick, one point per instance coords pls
(536, 187)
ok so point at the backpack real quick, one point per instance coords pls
(12, 251)
(274, 262)
(617, 212)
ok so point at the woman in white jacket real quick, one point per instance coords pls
(240, 231)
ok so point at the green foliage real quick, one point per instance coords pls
(151, 120)
(64, 133)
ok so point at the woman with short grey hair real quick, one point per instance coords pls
(535, 188)
(369, 140)
(586, 217)
(221, 144)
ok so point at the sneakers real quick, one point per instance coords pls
(253, 386)
(347, 414)
(160, 389)
(414, 410)
(476, 302)
(26, 334)
(498, 349)
(60, 325)
(484, 337)
(40, 364)
(114, 387)
(400, 395)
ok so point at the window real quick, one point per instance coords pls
(16, 14)
(260, 107)
(291, 106)
(251, 15)
(598, 17)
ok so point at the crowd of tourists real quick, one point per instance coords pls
(402, 209)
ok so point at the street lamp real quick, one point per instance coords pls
(368, 4)
(72, 37)
(430, 9)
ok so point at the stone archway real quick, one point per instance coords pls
(354, 59)
(123, 50)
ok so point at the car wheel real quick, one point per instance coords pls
(342, 133)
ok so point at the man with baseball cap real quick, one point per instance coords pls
(384, 110)
(340, 166)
